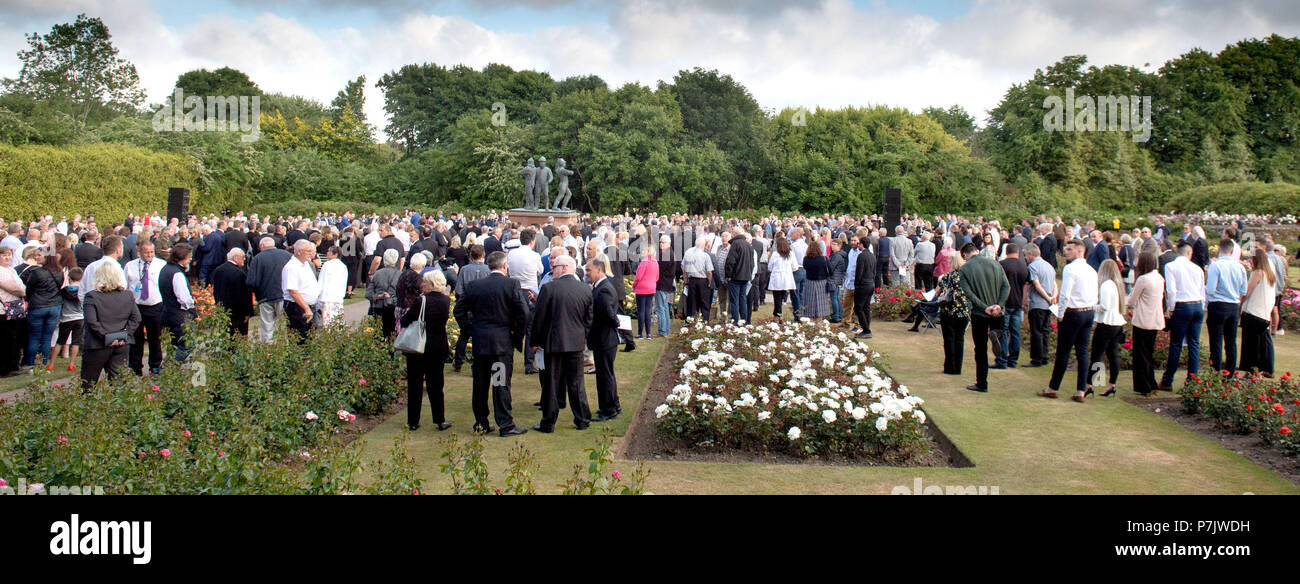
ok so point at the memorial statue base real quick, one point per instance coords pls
(539, 217)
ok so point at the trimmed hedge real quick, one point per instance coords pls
(1248, 197)
(105, 180)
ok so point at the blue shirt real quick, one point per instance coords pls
(852, 269)
(1225, 281)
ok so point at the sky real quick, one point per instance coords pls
(791, 53)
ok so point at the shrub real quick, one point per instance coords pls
(797, 388)
(1257, 197)
(1246, 402)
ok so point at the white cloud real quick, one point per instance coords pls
(828, 54)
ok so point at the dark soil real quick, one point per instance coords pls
(643, 443)
(1247, 445)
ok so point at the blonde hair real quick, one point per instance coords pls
(109, 278)
(1109, 270)
(956, 262)
(437, 280)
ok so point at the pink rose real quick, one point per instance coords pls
(165, 452)
(62, 440)
(362, 381)
(186, 433)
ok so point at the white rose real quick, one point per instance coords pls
(661, 411)
(859, 413)
(794, 433)
(882, 423)
(311, 416)
(828, 415)
(764, 416)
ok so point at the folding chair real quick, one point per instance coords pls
(930, 311)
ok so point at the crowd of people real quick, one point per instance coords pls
(556, 292)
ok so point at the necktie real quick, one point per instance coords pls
(144, 282)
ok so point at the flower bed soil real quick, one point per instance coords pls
(1247, 445)
(642, 442)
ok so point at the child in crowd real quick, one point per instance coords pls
(71, 322)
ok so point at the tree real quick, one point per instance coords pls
(77, 66)
(719, 109)
(221, 82)
(955, 121)
(352, 96)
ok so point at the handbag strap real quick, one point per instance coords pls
(423, 300)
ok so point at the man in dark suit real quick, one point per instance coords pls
(492, 243)
(230, 290)
(562, 317)
(1200, 249)
(495, 312)
(129, 251)
(214, 253)
(603, 339)
(88, 251)
(236, 238)
(738, 271)
(864, 282)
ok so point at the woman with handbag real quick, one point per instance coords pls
(12, 293)
(111, 318)
(426, 320)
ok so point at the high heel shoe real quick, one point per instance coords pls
(1110, 392)
(1087, 392)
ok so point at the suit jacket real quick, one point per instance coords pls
(562, 316)
(740, 261)
(229, 289)
(214, 248)
(491, 244)
(87, 253)
(496, 314)
(604, 319)
(864, 274)
(437, 307)
(236, 239)
(109, 312)
(1200, 253)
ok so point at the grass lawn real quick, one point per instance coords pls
(1019, 442)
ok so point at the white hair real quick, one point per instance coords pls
(418, 261)
(109, 278)
(234, 253)
(390, 258)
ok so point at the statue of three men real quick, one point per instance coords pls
(537, 182)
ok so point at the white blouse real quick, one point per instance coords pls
(781, 270)
(1107, 309)
(1260, 302)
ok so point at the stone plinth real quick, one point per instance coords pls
(528, 217)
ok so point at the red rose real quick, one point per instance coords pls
(1284, 430)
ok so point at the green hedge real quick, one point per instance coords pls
(1249, 197)
(105, 180)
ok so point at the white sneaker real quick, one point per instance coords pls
(1281, 332)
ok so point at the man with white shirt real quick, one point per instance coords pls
(1076, 297)
(333, 285)
(1184, 311)
(525, 266)
(301, 289)
(112, 247)
(142, 280)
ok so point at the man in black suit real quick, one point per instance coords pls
(603, 338)
(230, 290)
(88, 251)
(1200, 249)
(864, 282)
(562, 318)
(236, 238)
(738, 270)
(495, 312)
(213, 252)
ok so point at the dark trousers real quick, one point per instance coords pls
(149, 331)
(387, 319)
(1105, 343)
(980, 325)
(924, 276)
(606, 384)
(10, 347)
(738, 306)
(1221, 320)
(1072, 334)
(1040, 326)
(954, 346)
(424, 370)
(759, 288)
(493, 372)
(238, 327)
(862, 307)
(698, 298)
(800, 276)
(1011, 319)
(1144, 365)
(298, 318)
(96, 361)
(180, 349)
(778, 298)
(461, 342)
(564, 374)
(1185, 325)
(645, 308)
(1256, 344)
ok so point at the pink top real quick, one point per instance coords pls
(647, 277)
(943, 264)
(1147, 302)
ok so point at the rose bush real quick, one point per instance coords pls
(1246, 403)
(792, 387)
(232, 419)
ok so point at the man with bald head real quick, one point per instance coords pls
(264, 273)
(561, 319)
(230, 290)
